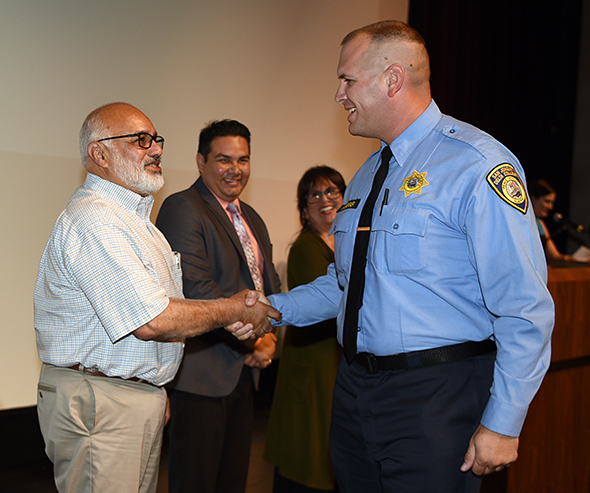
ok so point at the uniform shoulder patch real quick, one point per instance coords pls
(351, 204)
(505, 181)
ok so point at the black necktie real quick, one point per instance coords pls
(356, 283)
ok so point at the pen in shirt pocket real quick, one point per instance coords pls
(385, 198)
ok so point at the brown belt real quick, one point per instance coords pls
(97, 373)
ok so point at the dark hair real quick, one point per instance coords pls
(309, 179)
(221, 128)
(540, 188)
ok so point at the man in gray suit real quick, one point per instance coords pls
(224, 247)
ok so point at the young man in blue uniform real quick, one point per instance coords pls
(448, 307)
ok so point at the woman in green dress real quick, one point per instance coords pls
(297, 437)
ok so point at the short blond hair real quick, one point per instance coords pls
(387, 30)
(411, 47)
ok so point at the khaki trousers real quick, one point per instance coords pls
(102, 434)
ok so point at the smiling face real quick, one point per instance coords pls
(226, 169)
(321, 214)
(362, 89)
(543, 205)
(384, 81)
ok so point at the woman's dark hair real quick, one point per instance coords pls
(308, 180)
(540, 188)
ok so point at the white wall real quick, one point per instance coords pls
(268, 63)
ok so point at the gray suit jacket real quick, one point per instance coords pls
(213, 266)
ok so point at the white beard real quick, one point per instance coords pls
(136, 177)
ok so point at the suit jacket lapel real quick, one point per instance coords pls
(220, 214)
(217, 210)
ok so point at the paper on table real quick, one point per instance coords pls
(582, 254)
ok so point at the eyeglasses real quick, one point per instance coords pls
(144, 139)
(330, 193)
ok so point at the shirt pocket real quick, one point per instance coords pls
(398, 245)
(344, 235)
(177, 268)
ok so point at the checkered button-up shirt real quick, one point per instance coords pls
(106, 271)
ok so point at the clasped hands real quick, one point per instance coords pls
(254, 315)
(487, 452)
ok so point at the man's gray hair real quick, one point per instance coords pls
(93, 128)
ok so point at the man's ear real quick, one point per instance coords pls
(395, 78)
(200, 161)
(96, 153)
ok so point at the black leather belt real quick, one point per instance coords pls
(428, 357)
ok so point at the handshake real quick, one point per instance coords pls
(255, 316)
(184, 318)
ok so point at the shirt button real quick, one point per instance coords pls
(396, 226)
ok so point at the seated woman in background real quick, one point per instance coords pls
(297, 436)
(543, 197)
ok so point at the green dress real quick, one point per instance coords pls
(297, 436)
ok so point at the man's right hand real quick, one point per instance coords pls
(256, 312)
(489, 452)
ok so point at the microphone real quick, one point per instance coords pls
(566, 223)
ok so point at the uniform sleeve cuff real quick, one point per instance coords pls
(503, 418)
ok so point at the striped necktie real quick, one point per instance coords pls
(246, 245)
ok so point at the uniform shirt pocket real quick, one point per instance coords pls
(344, 235)
(398, 242)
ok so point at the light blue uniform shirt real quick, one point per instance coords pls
(106, 271)
(451, 258)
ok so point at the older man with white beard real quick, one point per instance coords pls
(110, 316)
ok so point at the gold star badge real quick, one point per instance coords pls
(414, 183)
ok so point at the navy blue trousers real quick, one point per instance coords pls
(407, 431)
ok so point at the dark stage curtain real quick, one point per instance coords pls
(509, 68)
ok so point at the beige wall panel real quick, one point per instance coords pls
(268, 63)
